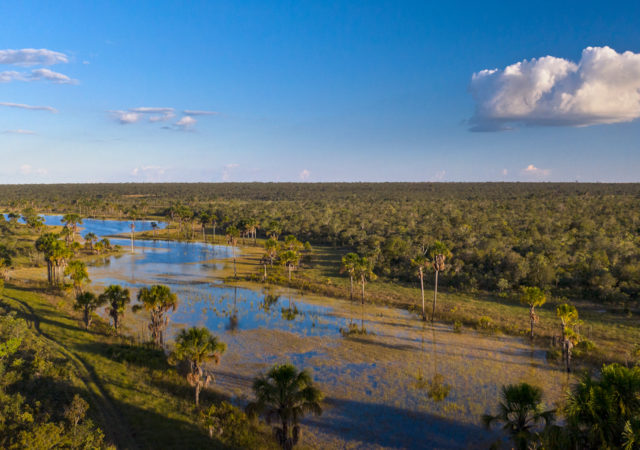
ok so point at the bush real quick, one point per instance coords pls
(353, 329)
(229, 424)
(457, 326)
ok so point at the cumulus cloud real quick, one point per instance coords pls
(534, 172)
(305, 174)
(27, 169)
(32, 57)
(29, 107)
(20, 131)
(226, 172)
(36, 75)
(148, 172)
(602, 88)
(186, 122)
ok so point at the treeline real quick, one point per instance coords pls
(576, 240)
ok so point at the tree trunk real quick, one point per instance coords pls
(435, 298)
(265, 272)
(197, 392)
(235, 273)
(424, 313)
(87, 318)
(351, 288)
(531, 317)
(214, 234)
(204, 236)
(289, 272)
(362, 279)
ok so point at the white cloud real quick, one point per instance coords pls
(226, 173)
(32, 57)
(305, 174)
(125, 117)
(36, 75)
(186, 122)
(149, 173)
(602, 88)
(152, 114)
(29, 107)
(505, 172)
(193, 112)
(533, 171)
(440, 175)
(27, 169)
(20, 131)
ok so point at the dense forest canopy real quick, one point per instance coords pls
(574, 239)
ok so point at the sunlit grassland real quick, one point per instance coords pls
(151, 405)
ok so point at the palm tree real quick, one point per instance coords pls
(71, 221)
(271, 249)
(438, 252)
(568, 315)
(213, 217)
(91, 239)
(520, 413)
(158, 300)
(77, 271)
(117, 298)
(286, 395)
(204, 219)
(87, 302)
(196, 346)
(232, 240)
(6, 259)
(603, 411)
(154, 227)
(364, 271)
(421, 262)
(274, 229)
(532, 297)
(289, 259)
(349, 263)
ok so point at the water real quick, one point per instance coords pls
(102, 228)
(365, 377)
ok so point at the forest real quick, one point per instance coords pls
(575, 240)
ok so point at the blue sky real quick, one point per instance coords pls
(318, 91)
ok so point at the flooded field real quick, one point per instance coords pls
(402, 384)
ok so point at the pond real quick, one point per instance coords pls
(378, 385)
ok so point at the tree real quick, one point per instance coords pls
(71, 221)
(274, 229)
(289, 259)
(6, 259)
(117, 298)
(158, 300)
(438, 252)
(364, 271)
(204, 219)
(421, 262)
(271, 249)
(213, 217)
(88, 302)
(91, 239)
(286, 395)
(154, 227)
(532, 297)
(232, 240)
(349, 263)
(520, 412)
(56, 253)
(604, 411)
(568, 315)
(77, 271)
(196, 346)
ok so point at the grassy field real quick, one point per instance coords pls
(614, 331)
(136, 397)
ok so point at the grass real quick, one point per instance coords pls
(136, 398)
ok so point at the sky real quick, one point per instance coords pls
(152, 91)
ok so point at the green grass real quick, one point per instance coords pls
(136, 398)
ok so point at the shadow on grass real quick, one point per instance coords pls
(390, 426)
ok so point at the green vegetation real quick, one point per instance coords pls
(285, 395)
(599, 412)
